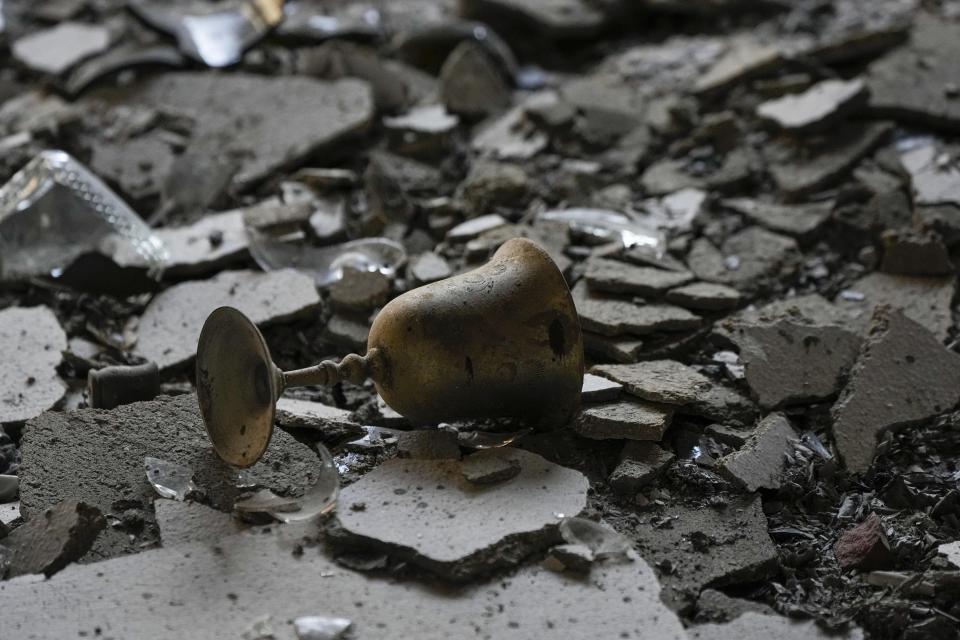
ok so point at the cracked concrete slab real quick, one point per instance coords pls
(170, 326)
(53, 539)
(640, 463)
(334, 425)
(188, 522)
(613, 316)
(627, 419)
(31, 348)
(705, 296)
(923, 300)
(427, 513)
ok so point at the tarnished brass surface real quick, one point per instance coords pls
(500, 341)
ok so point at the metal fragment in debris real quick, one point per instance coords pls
(320, 627)
(169, 480)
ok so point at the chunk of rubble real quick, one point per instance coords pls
(744, 58)
(304, 115)
(749, 260)
(258, 573)
(926, 301)
(32, 343)
(622, 349)
(491, 466)
(213, 242)
(818, 107)
(471, 85)
(599, 389)
(915, 253)
(734, 547)
(190, 522)
(640, 464)
(864, 546)
(428, 514)
(58, 48)
(673, 175)
(716, 606)
(612, 316)
(554, 19)
(57, 450)
(513, 136)
(360, 289)
(902, 376)
(428, 444)
(334, 425)
(705, 296)
(825, 161)
(54, 538)
(790, 363)
(475, 226)
(624, 420)
(167, 331)
(614, 276)
(912, 82)
(428, 267)
(760, 462)
(489, 184)
(758, 626)
(799, 220)
(673, 383)
(952, 551)
(934, 175)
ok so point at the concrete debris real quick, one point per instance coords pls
(864, 546)
(790, 363)
(749, 260)
(471, 85)
(640, 464)
(716, 606)
(58, 48)
(622, 349)
(743, 59)
(553, 19)
(569, 557)
(926, 301)
(428, 267)
(512, 136)
(626, 419)
(761, 462)
(9, 513)
(360, 289)
(491, 466)
(799, 220)
(952, 551)
(734, 547)
(31, 348)
(934, 175)
(673, 383)
(598, 389)
(54, 538)
(428, 514)
(58, 447)
(489, 184)
(817, 108)
(903, 375)
(613, 316)
(915, 253)
(192, 522)
(215, 241)
(334, 425)
(757, 626)
(705, 296)
(614, 276)
(428, 444)
(181, 310)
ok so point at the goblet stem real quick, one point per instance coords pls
(353, 367)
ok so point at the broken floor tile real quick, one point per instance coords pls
(169, 327)
(58, 48)
(614, 276)
(864, 546)
(553, 19)
(673, 383)
(705, 296)
(752, 259)
(334, 425)
(934, 175)
(759, 626)
(912, 82)
(190, 522)
(926, 301)
(304, 115)
(903, 375)
(206, 246)
(626, 419)
(54, 538)
(428, 444)
(760, 462)
(790, 363)
(58, 449)
(222, 590)
(744, 58)
(640, 464)
(736, 549)
(31, 348)
(799, 220)
(471, 84)
(491, 466)
(612, 316)
(427, 513)
(816, 108)
(598, 389)
(428, 267)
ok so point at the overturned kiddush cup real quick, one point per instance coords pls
(501, 341)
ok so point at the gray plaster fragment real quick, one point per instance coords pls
(58, 48)
(428, 514)
(211, 243)
(599, 389)
(903, 375)
(31, 348)
(760, 462)
(475, 226)
(614, 276)
(470, 83)
(759, 626)
(749, 260)
(360, 289)
(744, 58)
(716, 606)
(334, 425)
(612, 316)
(705, 296)
(640, 464)
(428, 444)
(170, 325)
(428, 267)
(816, 108)
(628, 419)
(934, 175)
(51, 540)
(796, 220)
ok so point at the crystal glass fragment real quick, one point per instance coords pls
(606, 225)
(488, 439)
(604, 542)
(313, 20)
(320, 627)
(169, 480)
(54, 210)
(318, 499)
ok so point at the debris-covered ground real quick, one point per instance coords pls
(756, 205)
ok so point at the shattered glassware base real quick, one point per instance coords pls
(318, 499)
(54, 210)
(169, 480)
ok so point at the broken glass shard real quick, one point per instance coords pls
(318, 499)
(488, 439)
(313, 20)
(282, 247)
(169, 479)
(215, 34)
(604, 542)
(264, 501)
(54, 210)
(320, 627)
(605, 225)
(811, 441)
(376, 440)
